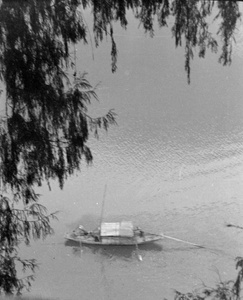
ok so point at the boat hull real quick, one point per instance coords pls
(112, 241)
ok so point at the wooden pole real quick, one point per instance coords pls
(103, 205)
(178, 240)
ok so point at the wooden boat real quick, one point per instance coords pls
(116, 233)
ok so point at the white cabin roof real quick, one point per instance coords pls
(123, 229)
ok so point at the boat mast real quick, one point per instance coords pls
(103, 205)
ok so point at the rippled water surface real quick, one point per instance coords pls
(173, 164)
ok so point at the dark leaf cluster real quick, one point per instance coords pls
(229, 14)
(190, 19)
(46, 125)
(224, 290)
(16, 226)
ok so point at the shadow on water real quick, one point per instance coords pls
(113, 252)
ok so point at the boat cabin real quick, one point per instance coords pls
(116, 232)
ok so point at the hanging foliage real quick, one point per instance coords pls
(46, 125)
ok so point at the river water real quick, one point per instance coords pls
(173, 164)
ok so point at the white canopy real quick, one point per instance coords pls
(124, 229)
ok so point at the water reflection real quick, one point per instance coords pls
(114, 252)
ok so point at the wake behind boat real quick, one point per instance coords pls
(115, 233)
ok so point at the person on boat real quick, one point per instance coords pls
(139, 231)
(96, 234)
(96, 238)
(82, 231)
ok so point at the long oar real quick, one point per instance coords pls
(139, 256)
(178, 240)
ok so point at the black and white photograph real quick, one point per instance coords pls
(121, 150)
